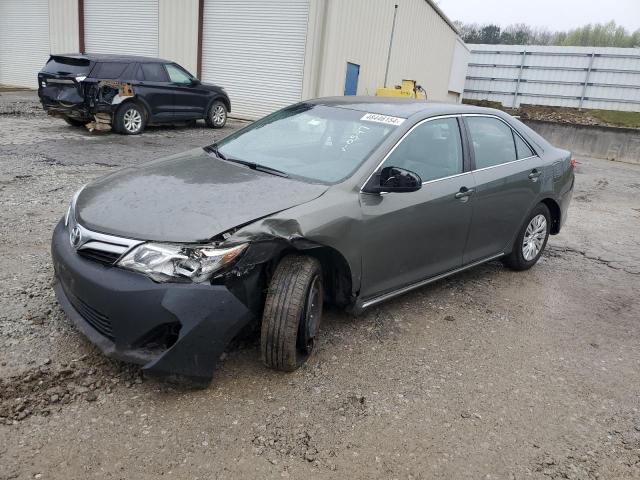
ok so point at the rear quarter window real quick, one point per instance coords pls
(522, 149)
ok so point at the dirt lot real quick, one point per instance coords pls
(489, 374)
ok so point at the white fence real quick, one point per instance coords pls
(583, 77)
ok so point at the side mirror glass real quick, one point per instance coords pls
(393, 179)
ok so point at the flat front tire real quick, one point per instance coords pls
(292, 313)
(531, 240)
(130, 119)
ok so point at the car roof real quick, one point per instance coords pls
(104, 57)
(401, 107)
(421, 109)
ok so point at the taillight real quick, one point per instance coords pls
(573, 163)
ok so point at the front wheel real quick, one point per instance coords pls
(217, 115)
(531, 240)
(292, 313)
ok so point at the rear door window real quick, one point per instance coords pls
(109, 71)
(433, 150)
(153, 72)
(492, 141)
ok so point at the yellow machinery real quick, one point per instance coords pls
(408, 89)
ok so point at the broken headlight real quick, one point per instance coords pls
(176, 263)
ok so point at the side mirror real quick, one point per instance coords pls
(393, 179)
(195, 82)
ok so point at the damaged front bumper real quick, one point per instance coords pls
(175, 330)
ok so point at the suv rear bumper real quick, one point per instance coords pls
(172, 329)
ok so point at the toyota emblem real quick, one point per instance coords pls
(75, 237)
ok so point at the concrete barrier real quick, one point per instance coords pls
(620, 144)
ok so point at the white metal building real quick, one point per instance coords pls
(267, 54)
(584, 77)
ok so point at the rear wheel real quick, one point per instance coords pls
(130, 119)
(292, 313)
(74, 122)
(217, 115)
(531, 240)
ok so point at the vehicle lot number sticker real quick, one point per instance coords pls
(386, 119)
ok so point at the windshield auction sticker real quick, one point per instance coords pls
(386, 119)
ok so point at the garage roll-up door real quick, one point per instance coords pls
(24, 41)
(126, 27)
(255, 49)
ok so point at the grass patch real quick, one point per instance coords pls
(483, 103)
(619, 119)
(605, 118)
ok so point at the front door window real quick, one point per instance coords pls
(433, 150)
(177, 75)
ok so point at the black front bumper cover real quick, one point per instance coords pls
(117, 309)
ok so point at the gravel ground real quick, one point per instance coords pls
(488, 374)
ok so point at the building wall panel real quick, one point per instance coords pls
(64, 33)
(358, 31)
(461, 55)
(133, 30)
(24, 41)
(178, 32)
(256, 50)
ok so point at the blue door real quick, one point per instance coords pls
(351, 82)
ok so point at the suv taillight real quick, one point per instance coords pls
(572, 163)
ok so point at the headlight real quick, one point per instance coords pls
(175, 263)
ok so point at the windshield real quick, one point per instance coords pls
(313, 142)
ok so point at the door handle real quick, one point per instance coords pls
(464, 193)
(534, 174)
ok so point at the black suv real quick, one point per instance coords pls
(126, 93)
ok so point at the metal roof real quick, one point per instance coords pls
(443, 16)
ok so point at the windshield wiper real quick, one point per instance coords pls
(257, 166)
(213, 148)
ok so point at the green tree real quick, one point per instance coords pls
(592, 35)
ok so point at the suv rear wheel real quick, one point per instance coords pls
(130, 119)
(217, 115)
(531, 240)
(292, 313)
(74, 122)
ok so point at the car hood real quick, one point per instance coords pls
(189, 197)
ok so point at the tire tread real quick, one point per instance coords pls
(285, 301)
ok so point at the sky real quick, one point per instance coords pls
(553, 14)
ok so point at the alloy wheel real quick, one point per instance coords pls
(132, 120)
(218, 115)
(534, 237)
